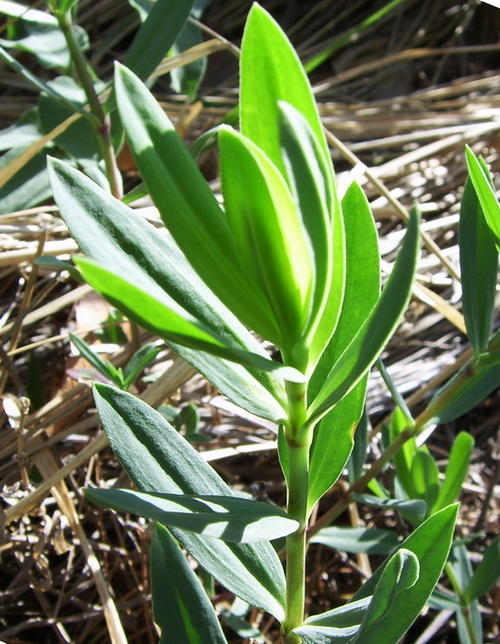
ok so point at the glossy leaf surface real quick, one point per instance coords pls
(374, 333)
(222, 517)
(181, 607)
(157, 458)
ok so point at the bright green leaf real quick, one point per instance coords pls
(103, 366)
(485, 193)
(456, 470)
(425, 476)
(181, 607)
(224, 517)
(268, 236)
(158, 459)
(369, 341)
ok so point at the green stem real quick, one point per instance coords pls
(103, 125)
(298, 441)
(464, 604)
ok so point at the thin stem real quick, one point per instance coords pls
(464, 604)
(298, 441)
(103, 127)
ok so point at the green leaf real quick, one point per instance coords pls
(28, 187)
(141, 358)
(369, 341)
(181, 607)
(186, 203)
(103, 366)
(270, 71)
(350, 614)
(333, 438)
(486, 574)
(413, 508)
(479, 267)
(468, 615)
(369, 540)
(157, 35)
(456, 471)
(430, 543)
(115, 236)
(400, 575)
(359, 451)
(268, 236)
(224, 517)
(425, 476)
(485, 193)
(403, 458)
(472, 384)
(158, 459)
(325, 634)
(187, 79)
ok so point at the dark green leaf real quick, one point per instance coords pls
(370, 540)
(181, 607)
(369, 341)
(430, 543)
(382, 621)
(103, 366)
(456, 470)
(358, 455)
(141, 358)
(28, 187)
(224, 517)
(157, 35)
(158, 459)
(412, 508)
(186, 79)
(485, 193)
(486, 574)
(479, 266)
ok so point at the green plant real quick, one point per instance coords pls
(289, 260)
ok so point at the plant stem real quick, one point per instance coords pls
(103, 126)
(464, 604)
(298, 441)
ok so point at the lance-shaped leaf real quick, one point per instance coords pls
(225, 517)
(333, 438)
(181, 607)
(479, 267)
(325, 634)
(186, 203)
(104, 367)
(312, 185)
(156, 35)
(117, 238)
(430, 543)
(271, 71)
(350, 614)
(456, 471)
(157, 458)
(370, 540)
(269, 239)
(141, 358)
(425, 476)
(486, 574)
(374, 333)
(399, 576)
(481, 181)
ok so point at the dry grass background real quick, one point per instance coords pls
(398, 103)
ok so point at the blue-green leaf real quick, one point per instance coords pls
(181, 607)
(486, 573)
(456, 470)
(158, 459)
(224, 517)
(369, 540)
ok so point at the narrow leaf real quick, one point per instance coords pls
(486, 574)
(103, 366)
(350, 614)
(354, 540)
(223, 517)
(479, 267)
(456, 470)
(325, 634)
(485, 193)
(425, 476)
(158, 459)
(369, 341)
(333, 438)
(181, 607)
(117, 238)
(267, 232)
(430, 543)
(186, 203)
(270, 71)
(156, 35)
